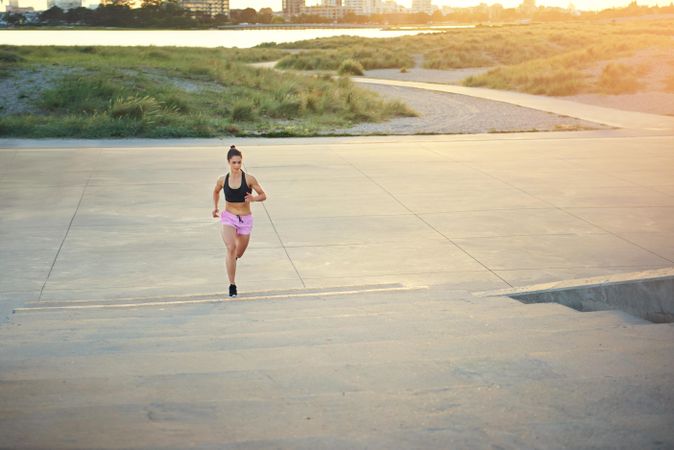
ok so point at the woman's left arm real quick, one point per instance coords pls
(261, 195)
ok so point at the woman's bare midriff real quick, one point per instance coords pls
(241, 209)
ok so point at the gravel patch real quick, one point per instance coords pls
(444, 113)
(22, 88)
(184, 84)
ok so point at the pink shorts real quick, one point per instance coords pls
(242, 224)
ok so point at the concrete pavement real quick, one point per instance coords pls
(489, 214)
(91, 223)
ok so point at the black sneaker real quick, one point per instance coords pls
(232, 290)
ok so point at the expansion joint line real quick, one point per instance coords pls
(552, 205)
(424, 221)
(285, 250)
(72, 219)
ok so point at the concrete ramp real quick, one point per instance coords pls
(647, 294)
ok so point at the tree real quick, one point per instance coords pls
(52, 15)
(78, 15)
(528, 7)
(152, 4)
(495, 12)
(265, 15)
(248, 15)
(15, 18)
(121, 3)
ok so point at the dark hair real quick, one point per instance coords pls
(233, 151)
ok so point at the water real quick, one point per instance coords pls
(185, 38)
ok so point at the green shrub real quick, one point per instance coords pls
(77, 94)
(243, 111)
(145, 109)
(9, 57)
(618, 79)
(350, 67)
(289, 108)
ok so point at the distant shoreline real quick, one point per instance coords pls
(287, 26)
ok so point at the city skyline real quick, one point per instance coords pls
(580, 4)
(276, 4)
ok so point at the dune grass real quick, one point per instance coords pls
(331, 59)
(182, 92)
(549, 59)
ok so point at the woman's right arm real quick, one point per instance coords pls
(216, 196)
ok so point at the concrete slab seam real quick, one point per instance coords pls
(552, 205)
(285, 250)
(219, 300)
(72, 219)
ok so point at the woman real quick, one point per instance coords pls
(236, 219)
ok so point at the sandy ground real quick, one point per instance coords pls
(657, 66)
(648, 102)
(442, 113)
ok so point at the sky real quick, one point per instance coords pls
(276, 4)
(580, 4)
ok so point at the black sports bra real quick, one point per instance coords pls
(236, 195)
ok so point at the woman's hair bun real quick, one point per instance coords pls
(233, 151)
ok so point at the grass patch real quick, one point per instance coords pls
(619, 79)
(549, 59)
(176, 92)
(368, 57)
(565, 73)
(350, 67)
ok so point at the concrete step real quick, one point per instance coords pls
(318, 315)
(216, 297)
(64, 333)
(421, 368)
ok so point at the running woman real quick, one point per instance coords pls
(236, 219)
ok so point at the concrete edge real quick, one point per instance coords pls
(619, 278)
(224, 142)
(136, 303)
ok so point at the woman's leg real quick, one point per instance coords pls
(242, 241)
(228, 234)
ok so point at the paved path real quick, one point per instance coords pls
(606, 116)
(86, 225)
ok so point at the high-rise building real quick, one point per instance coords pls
(390, 7)
(422, 6)
(330, 12)
(210, 7)
(292, 7)
(68, 4)
(355, 6)
(363, 7)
